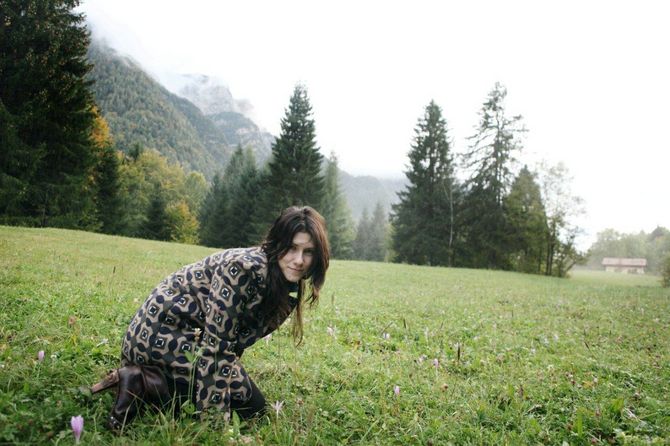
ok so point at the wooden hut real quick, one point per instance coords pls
(624, 265)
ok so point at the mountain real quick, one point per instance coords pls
(364, 192)
(198, 128)
(141, 111)
(231, 116)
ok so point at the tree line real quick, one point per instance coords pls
(59, 167)
(479, 210)
(653, 247)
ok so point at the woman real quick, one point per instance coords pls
(187, 338)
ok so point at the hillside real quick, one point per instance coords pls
(140, 111)
(478, 357)
(200, 126)
(364, 192)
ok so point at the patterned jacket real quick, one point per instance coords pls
(197, 322)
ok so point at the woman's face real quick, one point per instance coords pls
(298, 259)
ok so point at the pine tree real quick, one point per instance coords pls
(378, 231)
(47, 99)
(106, 177)
(157, 223)
(527, 223)
(337, 214)
(18, 164)
(108, 201)
(213, 214)
(294, 171)
(424, 219)
(242, 184)
(490, 158)
(363, 237)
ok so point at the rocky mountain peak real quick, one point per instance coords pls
(210, 95)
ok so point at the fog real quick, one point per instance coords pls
(589, 78)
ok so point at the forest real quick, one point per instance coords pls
(61, 166)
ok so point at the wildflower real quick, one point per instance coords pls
(330, 330)
(422, 358)
(267, 338)
(40, 355)
(396, 390)
(436, 363)
(77, 424)
(386, 336)
(277, 406)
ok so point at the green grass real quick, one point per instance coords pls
(522, 359)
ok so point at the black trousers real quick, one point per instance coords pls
(253, 407)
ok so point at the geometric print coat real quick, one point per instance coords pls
(197, 322)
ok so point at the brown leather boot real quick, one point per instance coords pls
(129, 395)
(157, 392)
(135, 385)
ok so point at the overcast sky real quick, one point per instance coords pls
(589, 77)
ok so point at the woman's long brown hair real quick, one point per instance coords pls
(277, 242)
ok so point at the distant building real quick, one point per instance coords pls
(622, 265)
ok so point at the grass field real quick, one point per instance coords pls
(480, 357)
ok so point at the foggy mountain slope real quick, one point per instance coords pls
(231, 116)
(141, 111)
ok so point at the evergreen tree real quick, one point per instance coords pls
(490, 158)
(213, 214)
(363, 237)
(106, 177)
(108, 198)
(424, 219)
(47, 102)
(294, 171)
(18, 164)
(378, 232)
(157, 223)
(665, 273)
(336, 213)
(527, 222)
(371, 235)
(242, 184)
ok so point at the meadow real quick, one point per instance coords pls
(478, 357)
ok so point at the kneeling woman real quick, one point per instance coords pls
(212, 311)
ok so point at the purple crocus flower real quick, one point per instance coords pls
(77, 424)
(277, 406)
(436, 363)
(40, 355)
(396, 390)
